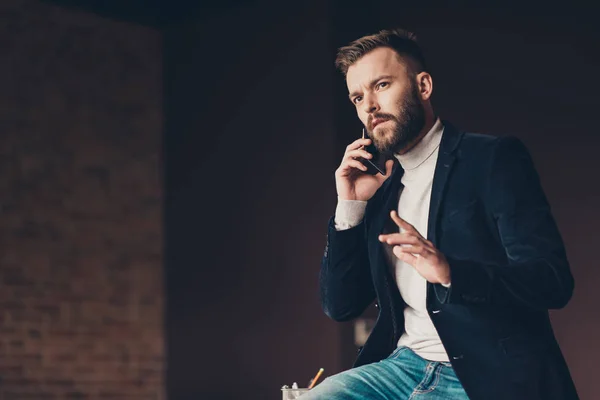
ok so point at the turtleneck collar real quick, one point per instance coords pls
(422, 150)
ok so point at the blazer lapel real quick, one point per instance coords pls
(391, 190)
(382, 222)
(446, 157)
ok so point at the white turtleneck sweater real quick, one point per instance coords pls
(413, 206)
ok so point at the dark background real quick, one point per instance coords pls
(245, 122)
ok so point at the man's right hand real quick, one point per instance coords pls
(351, 181)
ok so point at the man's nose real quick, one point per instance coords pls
(370, 105)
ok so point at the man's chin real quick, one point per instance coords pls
(385, 149)
(383, 141)
(381, 135)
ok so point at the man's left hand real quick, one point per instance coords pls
(415, 250)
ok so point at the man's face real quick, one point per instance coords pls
(387, 99)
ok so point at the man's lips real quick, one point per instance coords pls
(377, 122)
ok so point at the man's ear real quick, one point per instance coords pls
(425, 85)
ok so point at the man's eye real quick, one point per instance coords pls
(357, 99)
(381, 85)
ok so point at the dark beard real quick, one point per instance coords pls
(408, 126)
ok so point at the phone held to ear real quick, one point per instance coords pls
(375, 164)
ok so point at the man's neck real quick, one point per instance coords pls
(429, 122)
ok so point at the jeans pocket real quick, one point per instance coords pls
(397, 351)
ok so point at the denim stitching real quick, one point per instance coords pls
(397, 352)
(435, 382)
(417, 389)
(431, 388)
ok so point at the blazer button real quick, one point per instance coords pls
(376, 305)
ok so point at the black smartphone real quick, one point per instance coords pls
(375, 164)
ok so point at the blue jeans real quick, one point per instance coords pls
(402, 376)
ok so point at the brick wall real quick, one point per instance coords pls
(81, 287)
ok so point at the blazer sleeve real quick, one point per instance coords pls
(345, 282)
(537, 274)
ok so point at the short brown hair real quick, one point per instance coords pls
(401, 41)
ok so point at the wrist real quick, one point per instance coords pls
(445, 278)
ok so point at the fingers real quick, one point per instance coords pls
(405, 225)
(410, 254)
(357, 153)
(389, 165)
(402, 223)
(419, 249)
(357, 144)
(400, 238)
(350, 161)
(354, 163)
(404, 256)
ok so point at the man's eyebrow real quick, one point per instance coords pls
(351, 95)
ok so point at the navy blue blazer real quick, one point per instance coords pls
(489, 216)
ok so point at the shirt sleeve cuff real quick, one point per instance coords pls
(349, 213)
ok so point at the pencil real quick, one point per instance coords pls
(316, 378)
